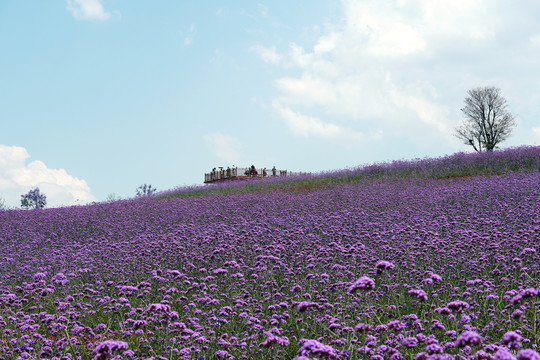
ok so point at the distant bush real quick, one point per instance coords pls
(145, 190)
(33, 200)
(3, 205)
(112, 197)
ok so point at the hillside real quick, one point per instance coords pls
(424, 259)
(525, 158)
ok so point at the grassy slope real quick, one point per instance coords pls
(525, 158)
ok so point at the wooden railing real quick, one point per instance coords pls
(244, 173)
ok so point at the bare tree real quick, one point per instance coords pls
(3, 205)
(145, 190)
(487, 119)
(33, 200)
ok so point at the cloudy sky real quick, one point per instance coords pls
(100, 96)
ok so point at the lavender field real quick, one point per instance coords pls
(373, 267)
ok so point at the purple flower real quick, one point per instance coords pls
(528, 354)
(46, 351)
(159, 308)
(468, 338)
(512, 339)
(272, 339)
(517, 314)
(526, 251)
(220, 271)
(46, 291)
(434, 277)
(418, 293)
(364, 283)
(396, 325)
(304, 305)
(524, 294)
(361, 327)
(138, 324)
(128, 353)
(457, 305)
(434, 349)
(314, 347)
(529, 293)
(39, 276)
(410, 342)
(482, 355)
(383, 265)
(106, 349)
(60, 279)
(222, 354)
(437, 325)
(503, 354)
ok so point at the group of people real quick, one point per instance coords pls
(221, 173)
(252, 171)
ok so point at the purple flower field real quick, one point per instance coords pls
(392, 268)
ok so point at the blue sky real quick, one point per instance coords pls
(100, 96)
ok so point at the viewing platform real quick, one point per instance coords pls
(234, 173)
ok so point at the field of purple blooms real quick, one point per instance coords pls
(390, 268)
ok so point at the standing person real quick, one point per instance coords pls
(264, 172)
(274, 171)
(253, 172)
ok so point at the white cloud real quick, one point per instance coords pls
(17, 178)
(307, 90)
(263, 10)
(325, 44)
(376, 134)
(305, 126)
(535, 40)
(475, 19)
(383, 28)
(268, 55)
(428, 113)
(225, 147)
(87, 10)
(188, 40)
(536, 135)
(387, 66)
